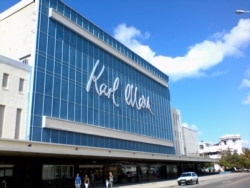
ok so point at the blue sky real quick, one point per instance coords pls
(203, 46)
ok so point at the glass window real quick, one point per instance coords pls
(71, 111)
(48, 172)
(62, 137)
(64, 108)
(57, 87)
(56, 107)
(64, 91)
(21, 83)
(71, 92)
(40, 82)
(47, 106)
(18, 122)
(5, 80)
(38, 107)
(48, 85)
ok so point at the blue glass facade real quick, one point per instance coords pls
(78, 81)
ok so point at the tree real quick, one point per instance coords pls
(229, 160)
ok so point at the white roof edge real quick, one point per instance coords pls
(21, 4)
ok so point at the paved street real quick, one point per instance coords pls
(172, 183)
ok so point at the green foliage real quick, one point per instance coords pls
(235, 160)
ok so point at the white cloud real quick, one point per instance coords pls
(245, 83)
(199, 58)
(246, 101)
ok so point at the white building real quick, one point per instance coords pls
(14, 77)
(227, 143)
(185, 139)
(177, 132)
(191, 144)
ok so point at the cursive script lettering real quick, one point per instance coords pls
(132, 99)
(103, 88)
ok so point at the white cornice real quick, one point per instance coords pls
(58, 124)
(76, 28)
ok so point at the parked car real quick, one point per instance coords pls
(188, 178)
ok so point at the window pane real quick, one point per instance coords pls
(21, 82)
(18, 121)
(5, 80)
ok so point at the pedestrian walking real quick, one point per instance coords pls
(78, 181)
(111, 179)
(86, 181)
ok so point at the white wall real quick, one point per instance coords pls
(177, 132)
(18, 30)
(190, 142)
(11, 98)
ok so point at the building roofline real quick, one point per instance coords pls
(21, 4)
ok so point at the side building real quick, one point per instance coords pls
(15, 77)
(228, 143)
(92, 105)
(177, 132)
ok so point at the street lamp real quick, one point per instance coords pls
(242, 11)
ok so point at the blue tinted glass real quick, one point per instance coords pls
(72, 74)
(38, 108)
(65, 53)
(57, 87)
(47, 106)
(42, 42)
(71, 92)
(54, 136)
(65, 71)
(40, 82)
(58, 50)
(64, 110)
(48, 84)
(44, 23)
(77, 139)
(64, 91)
(45, 135)
(62, 137)
(77, 112)
(70, 139)
(56, 107)
(71, 112)
(41, 62)
(36, 136)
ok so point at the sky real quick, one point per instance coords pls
(203, 46)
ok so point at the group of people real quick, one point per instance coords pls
(78, 181)
(86, 181)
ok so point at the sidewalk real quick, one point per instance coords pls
(171, 183)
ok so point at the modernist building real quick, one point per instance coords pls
(91, 106)
(177, 132)
(227, 143)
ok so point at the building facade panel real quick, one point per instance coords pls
(92, 105)
(84, 76)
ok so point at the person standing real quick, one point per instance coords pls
(86, 181)
(111, 179)
(78, 181)
(92, 179)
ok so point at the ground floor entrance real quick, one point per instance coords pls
(59, 172)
